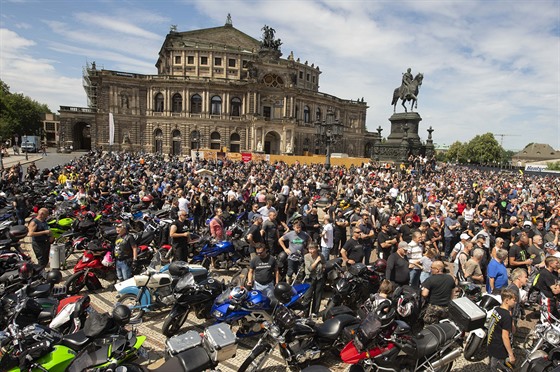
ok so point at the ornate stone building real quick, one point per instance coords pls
(215, 88)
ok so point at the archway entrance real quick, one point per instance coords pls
(368, 151)
(82, 136)
(272, 143)
(158, 141)
(176, 149)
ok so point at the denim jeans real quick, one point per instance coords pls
(123, 270)
(325, 251)
(267, 289)
(415, 278)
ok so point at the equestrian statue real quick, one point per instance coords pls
(408, 91)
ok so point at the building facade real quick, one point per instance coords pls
(215, 88)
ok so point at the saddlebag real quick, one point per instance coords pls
(220, 342)
(466, 314)
(176, 344)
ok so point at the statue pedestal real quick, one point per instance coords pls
(398, 121)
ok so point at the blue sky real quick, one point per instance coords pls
(489, 66)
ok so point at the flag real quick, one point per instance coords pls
(520, 171)
(111, 129)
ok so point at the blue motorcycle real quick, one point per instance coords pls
(223, 254)
(249, 308)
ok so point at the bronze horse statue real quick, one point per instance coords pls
(408, 94)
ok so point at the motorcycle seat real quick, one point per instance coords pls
(75, 341)
(195, 359)
(331, 328)
(40, 291)
(431, 338)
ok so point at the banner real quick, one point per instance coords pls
(234, 156)
(111, 129)
(246, 157)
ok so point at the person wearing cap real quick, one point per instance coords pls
(397, 266)
(125, 252)
(497, 272)
(459, 246)
(551, 250)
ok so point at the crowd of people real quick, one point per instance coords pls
(435, 227)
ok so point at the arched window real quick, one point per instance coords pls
(215, 142)
(196, 104)
(235, 106)
(235, 142)
(216, 108)
(306, 116)
(158, 103)
(318, 115)
(177, 103)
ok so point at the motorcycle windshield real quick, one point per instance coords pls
(185, 282)
(223, 298)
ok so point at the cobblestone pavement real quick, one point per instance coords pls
(104, 300)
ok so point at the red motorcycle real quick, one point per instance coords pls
(383, 343)
(96, 263)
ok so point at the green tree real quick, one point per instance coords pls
(19, 114)
(484, 149)
(555, 166)
(456, 152)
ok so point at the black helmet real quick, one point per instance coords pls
(121, 315)
(284, 292)
(380, 266)
(25, 271)
(178, 268)
(54, 276)
(386, 313)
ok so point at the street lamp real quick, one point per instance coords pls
(329, 132)
(196, 140)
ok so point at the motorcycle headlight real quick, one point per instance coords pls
(274, 331)
(552, 336)
(217, 314)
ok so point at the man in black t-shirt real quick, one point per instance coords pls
(353, 251)
(438, 291)
(397, 266)
(179, 235)
(254, 235)
(386, 242)
(547, 284)
(518, 255)
(339, 233)
(263, 271)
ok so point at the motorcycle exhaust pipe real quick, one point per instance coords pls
(447, 358)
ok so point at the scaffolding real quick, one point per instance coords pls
(88, 71)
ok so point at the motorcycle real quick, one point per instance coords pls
(249, 308)
(475, 349)
(382, 343)
(542, 342)
(153, 289)
(300, 340)
(224, 253)
(37, 348)
(190, 294)
(91, 267)
(354, 287)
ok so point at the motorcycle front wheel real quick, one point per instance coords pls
(131, 301)
(256, 359)
(174, 321)
(75, 283)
